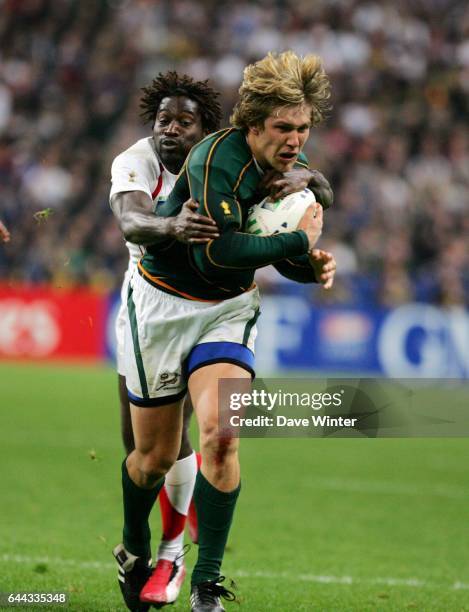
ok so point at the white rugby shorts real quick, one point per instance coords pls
(169, 337)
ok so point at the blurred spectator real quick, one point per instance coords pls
(396, 146)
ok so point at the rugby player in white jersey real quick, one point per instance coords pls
(182, 111)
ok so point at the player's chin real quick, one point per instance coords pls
(172, 155)
(284, 164)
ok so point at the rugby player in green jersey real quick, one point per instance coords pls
(193, 308)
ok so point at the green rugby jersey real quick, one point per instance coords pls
(221, 174)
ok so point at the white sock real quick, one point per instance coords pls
(179, 486)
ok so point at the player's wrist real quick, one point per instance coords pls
(169, 226)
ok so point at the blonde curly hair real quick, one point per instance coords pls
(279, 80)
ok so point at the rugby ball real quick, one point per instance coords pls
(276, 216)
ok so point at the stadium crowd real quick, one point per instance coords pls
(395, 147)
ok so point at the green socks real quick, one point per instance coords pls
(214, 513)
(138, 503)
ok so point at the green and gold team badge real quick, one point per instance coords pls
(226, 208)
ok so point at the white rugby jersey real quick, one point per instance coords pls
(139, 168)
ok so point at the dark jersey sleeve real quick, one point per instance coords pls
(213, 187)
(297, 269)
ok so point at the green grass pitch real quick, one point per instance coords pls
(330, 525)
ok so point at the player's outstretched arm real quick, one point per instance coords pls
(4, 233)
(139, 224)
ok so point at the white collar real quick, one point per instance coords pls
(258, 166)
(259, 169)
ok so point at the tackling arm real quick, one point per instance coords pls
(280, 185)
(134, 212)
(134, 176)
(134, 173)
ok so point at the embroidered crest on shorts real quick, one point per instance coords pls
(168, 380)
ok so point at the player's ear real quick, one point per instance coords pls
(254, 130)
